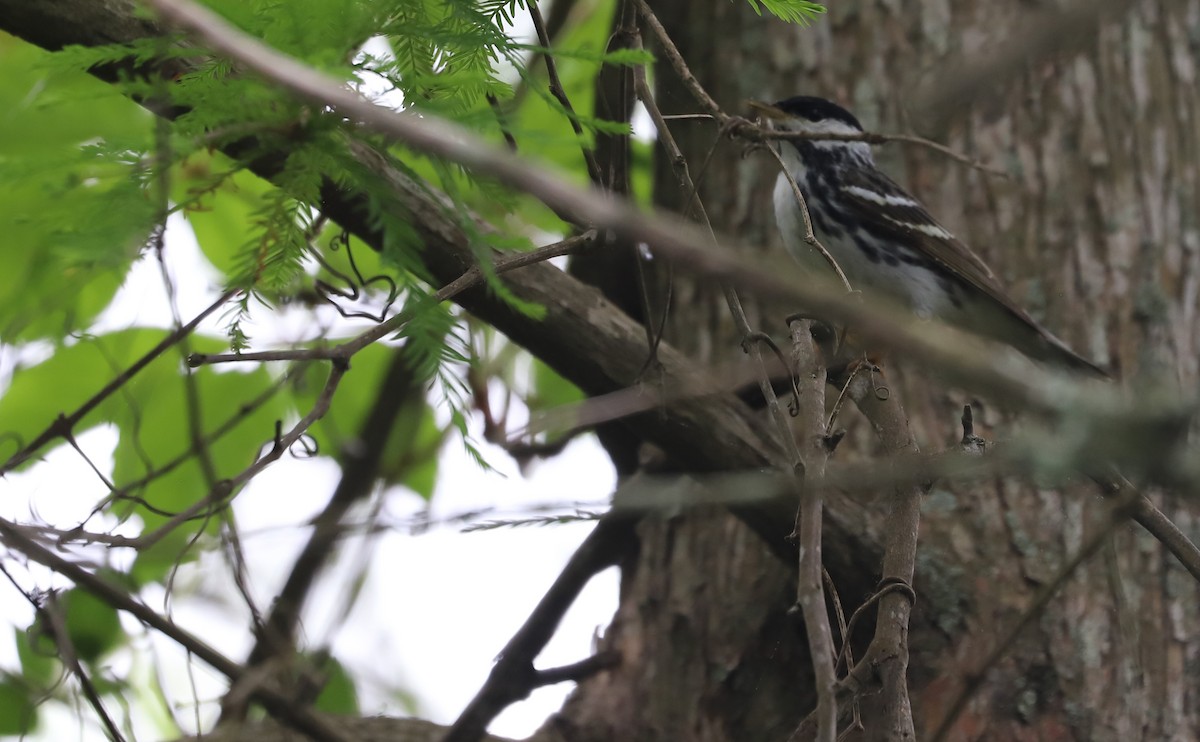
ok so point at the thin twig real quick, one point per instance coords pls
(225, 488)
(869, 137)
(53, 618)
(216, 434)
(671, 52)
(274, 702)
(747, 130)
(514, 675)
(810, 237)
(502, 121)
(560, 94)
(397, 391)
(468, 280)
(64, 424)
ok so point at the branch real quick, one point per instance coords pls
(810, 593)
(53, 618)
(963, 358)
(472, 278)
(560, 94)
(887, 656)
(66, 423)
(514, 676)
(276, 636)
(276, 703)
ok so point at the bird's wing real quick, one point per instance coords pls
(876, 200)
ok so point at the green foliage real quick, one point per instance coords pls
(18, 713)
(792, 11)
(92, 625)
(39, 658)
(339, 695)
(445, 52)
(86, 175)
(75, 211)
(550, 389)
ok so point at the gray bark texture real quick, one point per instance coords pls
(1093, 113)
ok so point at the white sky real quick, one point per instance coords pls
(435, 608)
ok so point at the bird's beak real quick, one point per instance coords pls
(767, 110)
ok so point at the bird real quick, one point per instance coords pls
(885, 241)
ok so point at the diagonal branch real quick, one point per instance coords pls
(960, 356)
(514, 675)
(63, 426)
(400, 388)
(299, 718)
(560, 94)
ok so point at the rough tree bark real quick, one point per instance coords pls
(1093, 232)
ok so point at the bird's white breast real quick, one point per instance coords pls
(914, 286)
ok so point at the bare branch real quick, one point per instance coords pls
(560, 93)
(810, 594)
(963, 358)
(514, 676)
(275, 637)
(276, 703)
(469, 280)
(66, 423)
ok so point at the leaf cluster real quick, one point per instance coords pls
(89, 180)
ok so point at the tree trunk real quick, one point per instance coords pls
(1093, 232)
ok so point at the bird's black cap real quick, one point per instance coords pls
(817, 109)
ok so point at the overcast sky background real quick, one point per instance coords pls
(435, 608)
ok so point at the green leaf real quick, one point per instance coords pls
(39, 659)
(550, 389)
(18, 714)
(63, 382)
(801, 12)
(75, 210)
(92, 625)
(339, 695)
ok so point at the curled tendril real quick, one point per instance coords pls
(882, 392)
(355, 287)
(307, 445)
